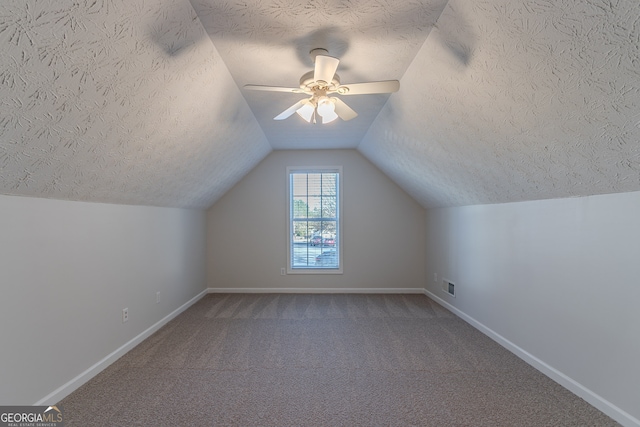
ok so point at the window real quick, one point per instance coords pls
(314, 220)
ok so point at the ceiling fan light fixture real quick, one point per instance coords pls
(328, 118)
(325, 106)
(306, 111)
(326, 109)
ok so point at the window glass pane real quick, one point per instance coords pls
(300, 231)
(327, 259)
(315, 206)
(299, 207)
(329, 207)
(329, 229)
(314, 184)
(315, 227)
(299, 184)
(329, 184)
(300, 256)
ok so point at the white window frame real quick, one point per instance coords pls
(290, 231)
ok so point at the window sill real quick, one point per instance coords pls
(315, 271)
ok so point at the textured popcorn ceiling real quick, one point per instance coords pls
(547, 106)
(119, 101)
(141, 101)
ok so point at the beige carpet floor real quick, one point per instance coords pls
(322, 360)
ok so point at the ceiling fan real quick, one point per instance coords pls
(322, 82)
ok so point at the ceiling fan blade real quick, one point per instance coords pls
(385, 86)
(274, 88)
(289, 111)
(343, 110)
(325, 68)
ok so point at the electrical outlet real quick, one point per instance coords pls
(125, 315)
(435, 277)
(282, 271)
(158, 297)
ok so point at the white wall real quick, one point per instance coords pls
(67, 269)
(383, 231)
(560, 279)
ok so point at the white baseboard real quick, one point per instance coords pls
(315, 290)
(573, 386)
(66, 389)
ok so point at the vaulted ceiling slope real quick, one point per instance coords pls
(121, 102)
(142, 101)
(547, 104)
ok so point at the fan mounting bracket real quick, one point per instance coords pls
(317, 51)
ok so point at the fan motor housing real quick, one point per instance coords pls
(309, 84)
